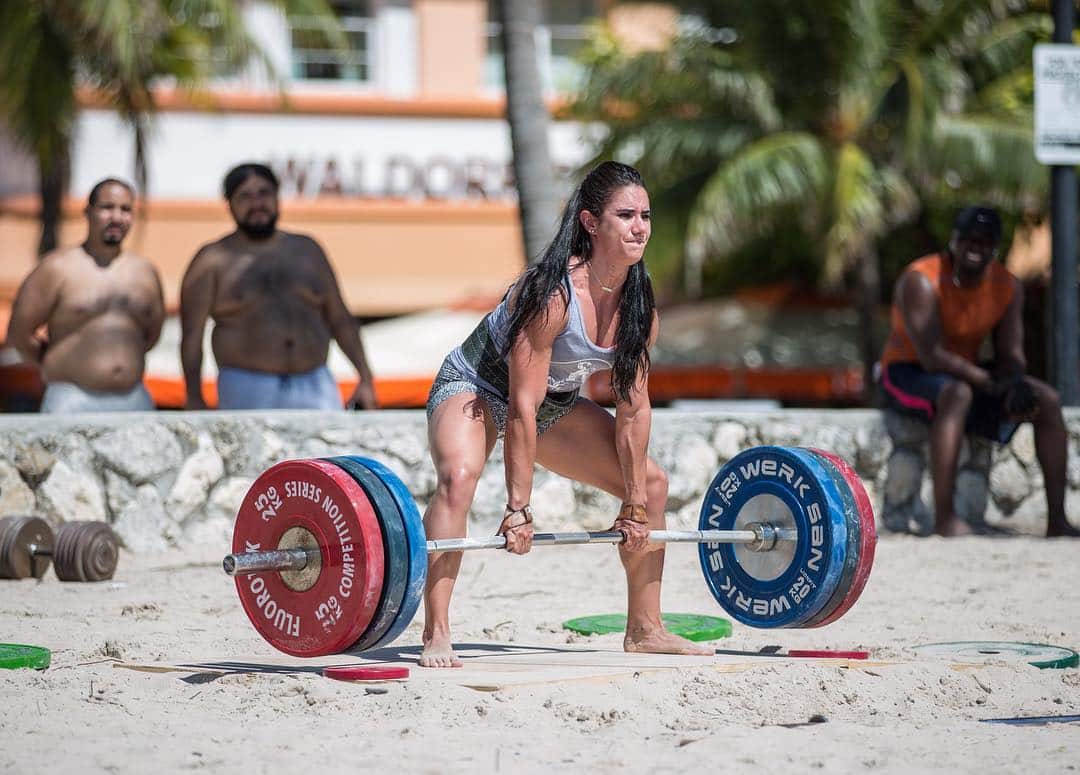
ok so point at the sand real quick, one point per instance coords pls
(535, 698)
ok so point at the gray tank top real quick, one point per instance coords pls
(574, 356)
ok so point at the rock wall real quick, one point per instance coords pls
(174, 478)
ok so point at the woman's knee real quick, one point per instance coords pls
(656, 483)
(457, 484)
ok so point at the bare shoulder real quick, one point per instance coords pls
(302, 244)
(57, 263)
(211, 253)
(142, 263)
(913, 287)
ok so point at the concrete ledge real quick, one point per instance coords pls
(175, 478)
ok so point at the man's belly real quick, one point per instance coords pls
(272, 347)
(100, 356)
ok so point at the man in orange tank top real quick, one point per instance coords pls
(944, 307)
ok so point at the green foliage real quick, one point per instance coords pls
(839, 121)
(123, 48)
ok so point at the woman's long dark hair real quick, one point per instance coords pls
(545, 278)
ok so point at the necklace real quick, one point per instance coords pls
(604, 288)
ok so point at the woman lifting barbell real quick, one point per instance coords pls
(587, 306)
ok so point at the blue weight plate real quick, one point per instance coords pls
(787, 487)
(851, 558)
(417, 545)
(395, 552)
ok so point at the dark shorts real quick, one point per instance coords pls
(910, 389)
(450, 381)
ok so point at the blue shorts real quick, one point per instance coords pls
(914, 391)
(246, 389)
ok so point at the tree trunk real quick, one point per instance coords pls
(52, 177)
(869, 292)
(528, 119)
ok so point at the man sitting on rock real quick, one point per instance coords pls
(944, 307)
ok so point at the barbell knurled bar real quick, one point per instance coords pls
(760, 537)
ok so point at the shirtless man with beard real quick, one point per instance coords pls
(275, 304)
(101, 308)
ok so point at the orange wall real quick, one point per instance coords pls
(391, 257)
(451, 46)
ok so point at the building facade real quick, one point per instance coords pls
(394, 153)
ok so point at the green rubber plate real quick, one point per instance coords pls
(690, 626)
(13, 656)
(1037, 654)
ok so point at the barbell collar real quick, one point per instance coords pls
(759, 537)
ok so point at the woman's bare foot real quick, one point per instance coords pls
(660, 641)
(438, 652)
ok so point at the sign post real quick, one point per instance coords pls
(1057, 143)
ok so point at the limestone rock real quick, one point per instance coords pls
(119, 492)
(873, 447)
(212, 531)
(904, 476)
(32, 460)
(1023, 445)
(905, 431)
(71, 494)
(15, 496)
(690, 465)
(970, 498)
(199, 473)
(1009, 484)
(140, 451)
(729, 440)
(226, 497)
(143, 525)
(554, 505)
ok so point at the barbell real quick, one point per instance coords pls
(329, 555)
(78, 551)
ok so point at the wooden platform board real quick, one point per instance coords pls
(494, 666)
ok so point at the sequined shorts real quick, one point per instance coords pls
(450, 382)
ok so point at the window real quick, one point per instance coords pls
(314, 57)
(562, 35)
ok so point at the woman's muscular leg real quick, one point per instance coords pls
(461, 435)
(581, 446)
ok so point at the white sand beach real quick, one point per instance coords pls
(536, 698)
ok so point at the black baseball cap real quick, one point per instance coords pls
(977, 221)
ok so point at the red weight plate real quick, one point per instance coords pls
(867, 536)
(354, 673)
(828, 654)
(331, 615)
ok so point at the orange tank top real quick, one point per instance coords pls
(967, 315)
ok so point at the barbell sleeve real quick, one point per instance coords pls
(759, 536)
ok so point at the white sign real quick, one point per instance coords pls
(1057, 103)
(318, 155)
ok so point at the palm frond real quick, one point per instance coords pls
(690, 79)
(866, 202)
(985, 157)
(745, 196)
(37, 92)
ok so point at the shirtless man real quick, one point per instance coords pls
(102, 309)
(275, 304)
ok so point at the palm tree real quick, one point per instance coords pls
(839, 118)
(122, 48)
(528, 118)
